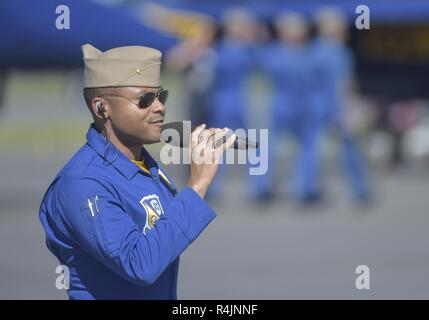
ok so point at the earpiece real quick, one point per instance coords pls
(100, 108)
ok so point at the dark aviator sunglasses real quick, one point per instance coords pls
(146, 99)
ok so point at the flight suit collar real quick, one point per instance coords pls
(112, 156)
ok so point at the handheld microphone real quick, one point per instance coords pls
(177, 134)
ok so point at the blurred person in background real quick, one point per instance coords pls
(333, 65)
(402, 117)
(196, 57)
(234, 62)
(286, 64)
(415, 139)
(235, 57)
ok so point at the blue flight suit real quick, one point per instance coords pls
(234, 62)
(119, 228)
(333, 69)
(287, 68)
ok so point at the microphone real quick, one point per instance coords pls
(177, 134)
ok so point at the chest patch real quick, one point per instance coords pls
(154, 210)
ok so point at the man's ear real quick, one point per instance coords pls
(99, 109)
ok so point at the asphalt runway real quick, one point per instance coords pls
(273, 251)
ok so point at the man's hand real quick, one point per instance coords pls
(204, 157)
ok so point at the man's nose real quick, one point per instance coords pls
(157, 106)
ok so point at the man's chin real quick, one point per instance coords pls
(152, 140)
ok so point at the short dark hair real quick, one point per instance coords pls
(90, 93)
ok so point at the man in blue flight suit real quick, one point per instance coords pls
(333, 68)
(285, 62)
(234, 61)
(112, 215)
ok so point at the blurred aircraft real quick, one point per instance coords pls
(30, 38)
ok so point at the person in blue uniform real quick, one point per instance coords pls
(112, 215)
(196, 58)
(333, 66)
(285, 62)
(233, 63)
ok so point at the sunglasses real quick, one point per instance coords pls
(146, 99)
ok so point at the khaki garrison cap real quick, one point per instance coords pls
(133, 66)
